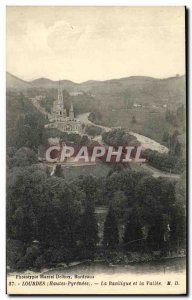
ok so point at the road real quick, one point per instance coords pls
(146, 142)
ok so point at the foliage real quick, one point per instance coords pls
(42, 208)
(119, 138)
(54, 221)
(111, 234)
(88, 234)
(133, 232)
(119, 202)
(165, 161)
(93, 130)
(24, 123)
(95, 117)
(47, 103)
(22, 158)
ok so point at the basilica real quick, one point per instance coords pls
(60, 119)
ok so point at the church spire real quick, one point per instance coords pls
(71, 112)
(60, 102)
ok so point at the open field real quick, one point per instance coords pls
(149, 122)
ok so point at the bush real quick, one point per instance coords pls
(29, 259)
(165, 161)
(93, 130)
(15, 251)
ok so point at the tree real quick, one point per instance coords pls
(156, 235)
(133, 232)
(90, 185)
(25, 195)
(88, 232)
(95, 117)
(93, 130)
(133, 121)
(180, 113)
(178, 226)
(119, 137)
(29, 131)
(58, 171)
(84, 140)
(111, 233)
(120, 203)
(24, 157)
(43, 208)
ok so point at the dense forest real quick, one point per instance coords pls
(51, 220)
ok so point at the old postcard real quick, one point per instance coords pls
(96, 150)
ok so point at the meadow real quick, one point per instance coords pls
(145, 121)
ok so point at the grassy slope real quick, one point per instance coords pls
(148, 123)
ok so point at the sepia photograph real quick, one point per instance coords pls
(96, 155)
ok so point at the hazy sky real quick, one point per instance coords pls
(80, 44)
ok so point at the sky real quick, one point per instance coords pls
(95, 43)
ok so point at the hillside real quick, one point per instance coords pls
(13, 82)
(47, 83)
(139, 89)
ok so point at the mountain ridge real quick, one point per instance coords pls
(45, 79)
(134, 88)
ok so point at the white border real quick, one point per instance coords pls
(3, 4)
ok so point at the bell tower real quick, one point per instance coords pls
(61, 111)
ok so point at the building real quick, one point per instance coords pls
(59, 112)
(60, 119)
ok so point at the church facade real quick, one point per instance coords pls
(60, 119)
